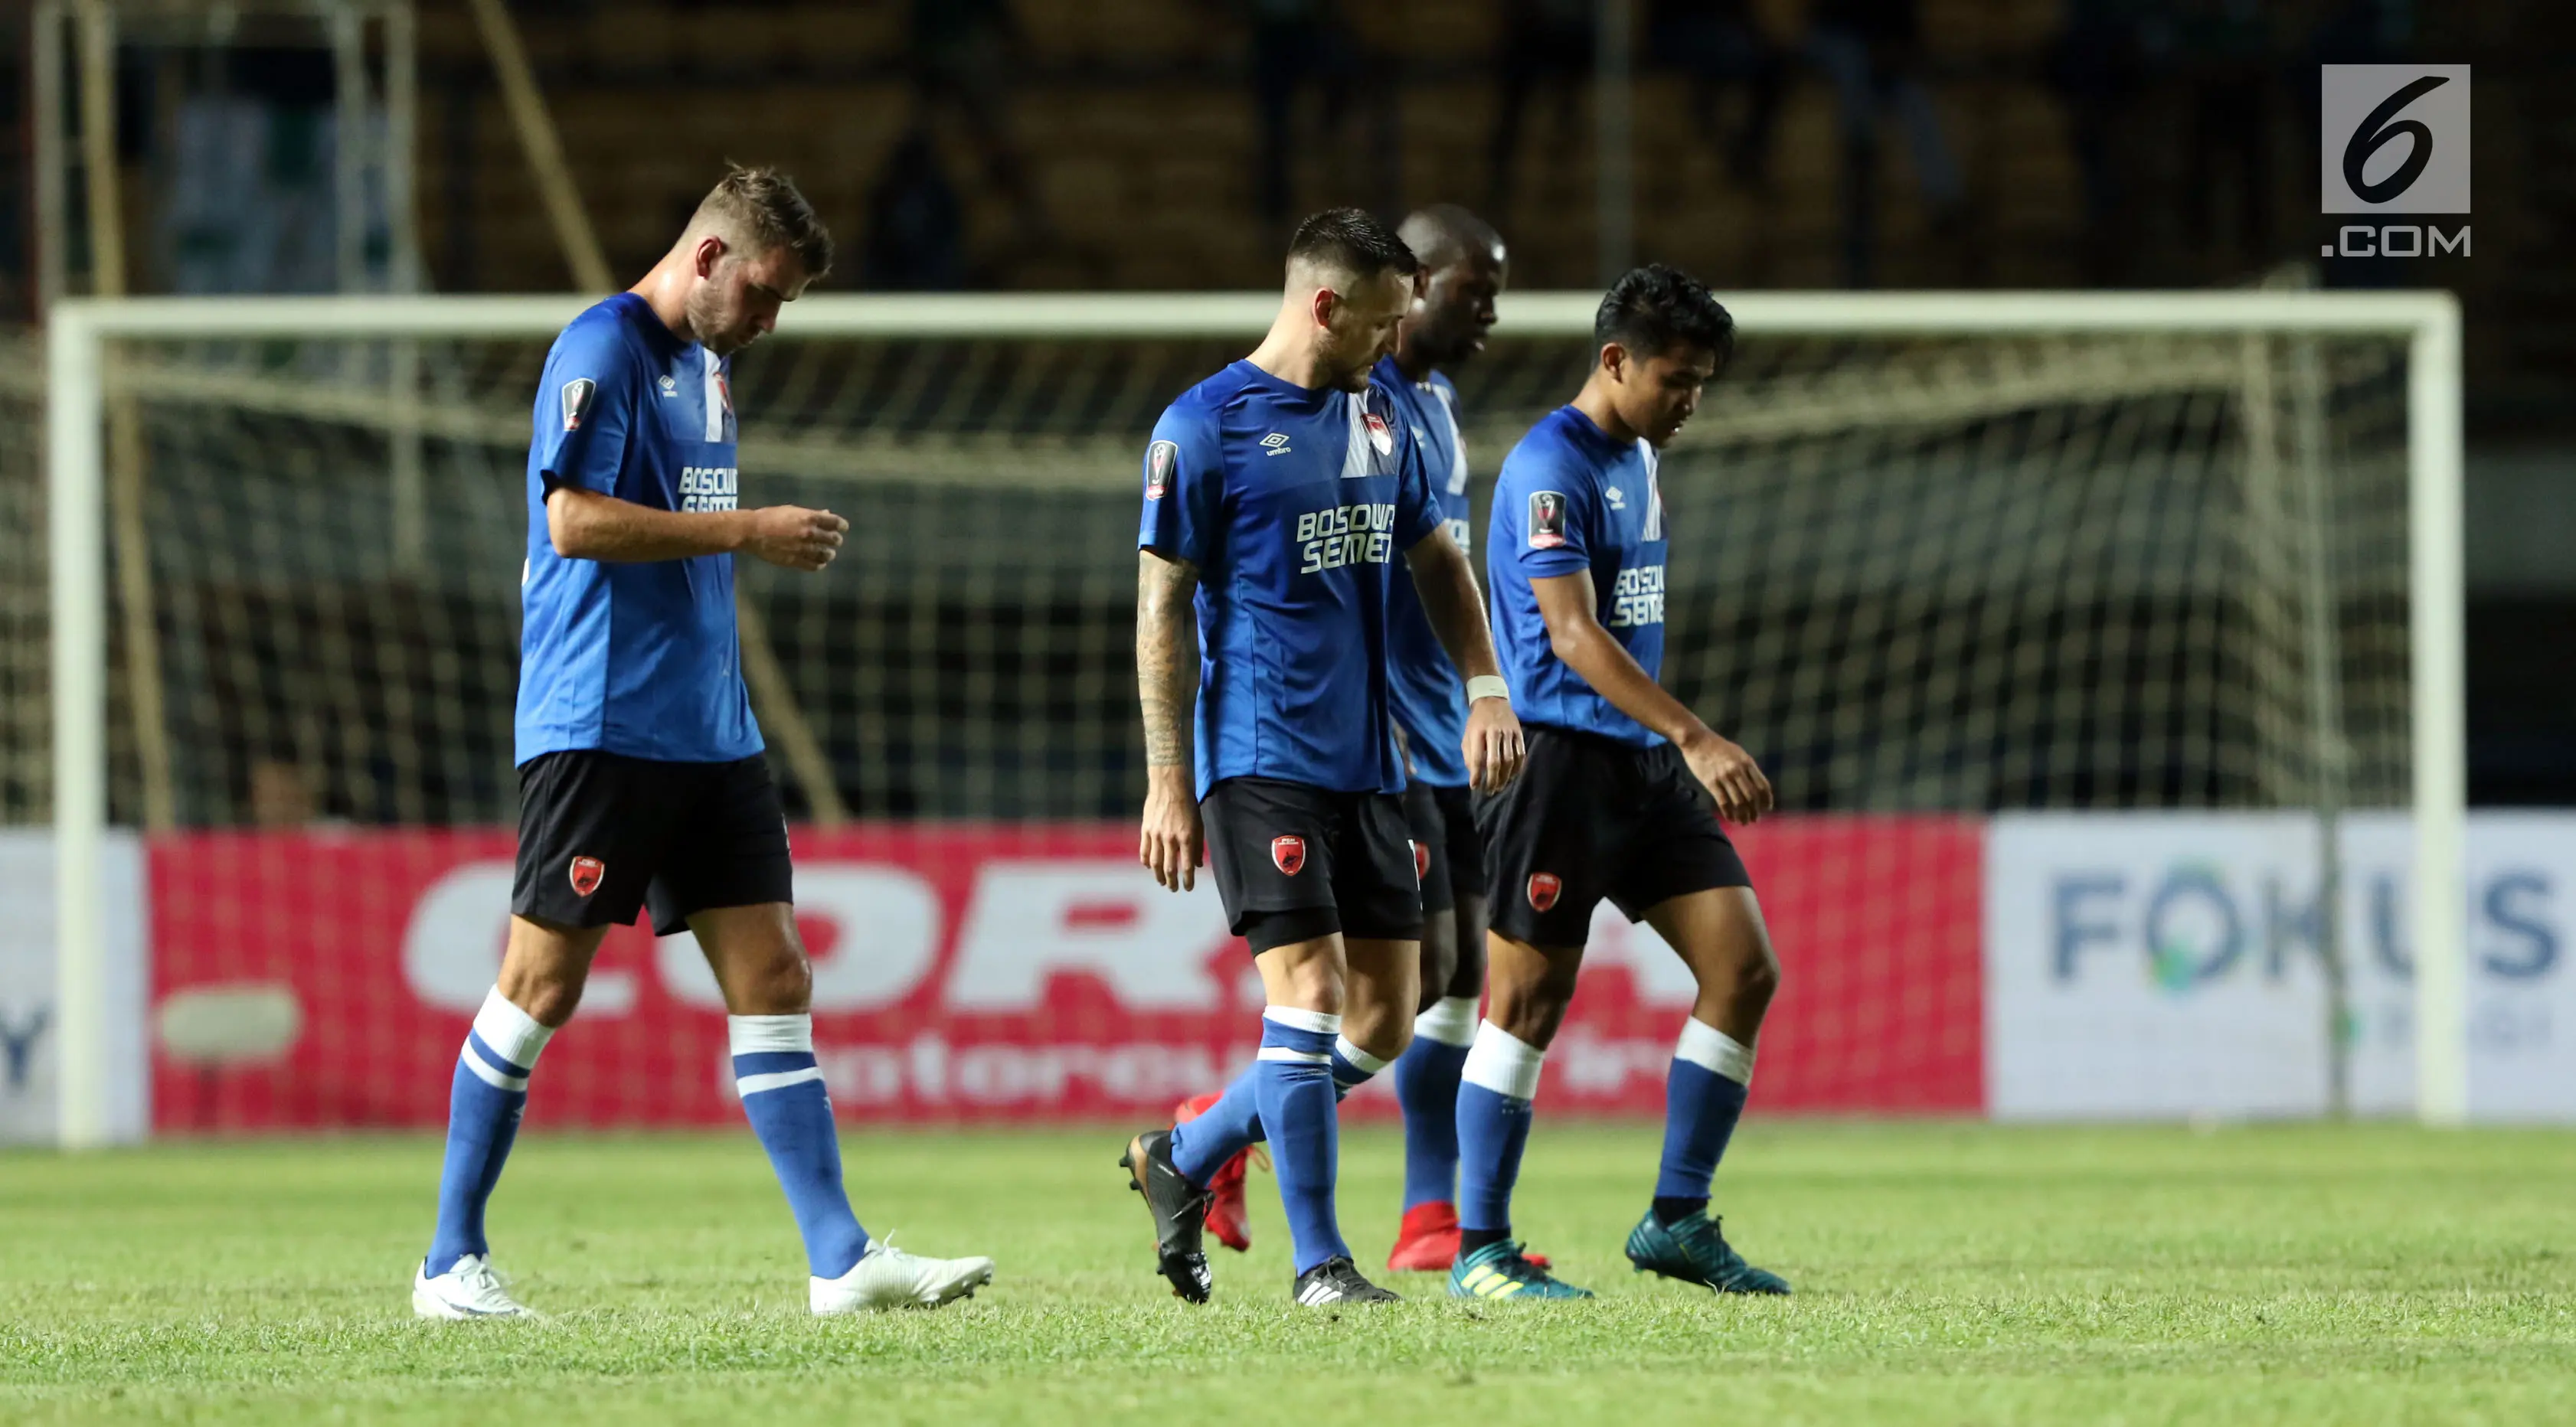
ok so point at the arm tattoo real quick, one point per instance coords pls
(1167, 655)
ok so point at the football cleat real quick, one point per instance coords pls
(1693, 1251)
(887, 1277)
(469, 1289)
(1427, 1241)
(1226, 1216)
(1179, 1209)
(1501, 1270)
(1337, 1280)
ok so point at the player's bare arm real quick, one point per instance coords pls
(1574, 633)
(1447, 584)
(585, 525)
(1167, 680)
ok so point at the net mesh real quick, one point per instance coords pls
(1915, 577)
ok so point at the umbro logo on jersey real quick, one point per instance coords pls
(1275, 444)
(1544, 889)
(1159, 460)
(1288, 854)
(670, 386)
(576, 401)
(587, 873)
(1379, 435)
(1618, 497)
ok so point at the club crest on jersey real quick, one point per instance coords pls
(1159, 460)
(724, 390)
(576, 401)
(1421, 860)
(1288, 854)
(1544, 889)
(587, 873)
(1379, 436)
(1546, 520)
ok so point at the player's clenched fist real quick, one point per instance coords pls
(795, 537)
(1173, 845)
(1493, 746)
(1730, 775)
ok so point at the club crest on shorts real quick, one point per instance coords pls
(1546, 520)
(1544, 888)
(1421, 860)
(587, 873)
(576, 401)
(1288, 854)
(1159, 460)
(1379, 436)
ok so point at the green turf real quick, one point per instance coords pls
(1944, 1273)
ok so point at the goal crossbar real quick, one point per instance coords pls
(78, 332)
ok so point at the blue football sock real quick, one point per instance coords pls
(1499, 1082)
(1703, 1098)
(782, 1093)
(1201, 1147)
(483, 1107)
(1426, 1085)
(1352, 1067)
(1294, 1082)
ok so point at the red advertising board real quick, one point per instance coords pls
(991, 972)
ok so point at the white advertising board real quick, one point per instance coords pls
(30, 1024)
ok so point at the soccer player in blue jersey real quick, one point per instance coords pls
(1279, 496)
(641, 777)
(1621, 798)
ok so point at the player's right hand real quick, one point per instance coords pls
(795, 537)
(1173, 844)
(1730, 775)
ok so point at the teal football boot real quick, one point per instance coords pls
(1499, 1271)
(1693, 1251)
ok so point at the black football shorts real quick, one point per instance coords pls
(1591, 817)
(1294, 862)
(602, 835)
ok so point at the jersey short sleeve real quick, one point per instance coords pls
(1184, 486)
(1550, 506)
(1418, 509)
(592, 380)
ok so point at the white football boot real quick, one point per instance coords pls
(887, 1277)
(469, 1289)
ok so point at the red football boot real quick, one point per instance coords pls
(1226, 1216)
(1427, 1241)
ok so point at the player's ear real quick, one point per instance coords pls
(710, 251)
(1323, 305)
(1614, 360)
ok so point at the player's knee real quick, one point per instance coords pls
(782, 985)
(1753, 979)
(549, 1001)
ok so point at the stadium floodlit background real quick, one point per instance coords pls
(2081, 648)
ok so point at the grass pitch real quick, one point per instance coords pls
(1945, 1273)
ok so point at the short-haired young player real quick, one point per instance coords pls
(642, 782)
(1620, 799)
(1463, 270)
(1279, 496)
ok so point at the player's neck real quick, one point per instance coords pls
(1289, 353)
(666, 290)
(1414, 363)
(1594, 402)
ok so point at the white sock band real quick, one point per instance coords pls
(1503, 1063)
(756, 1035)
(1321, 1023)
(1715, 1051)
(1361, 1061)
(1450, 1021)
(512, 1034)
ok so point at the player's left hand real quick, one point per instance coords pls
(1493, 745)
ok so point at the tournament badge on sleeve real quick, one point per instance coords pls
(576, 401)
(1159, 460)
(1547, 520)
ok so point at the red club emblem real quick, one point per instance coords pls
(1379, 436)
(586, 875)
(1421, 860)
(1288, 854)
(1543, 890)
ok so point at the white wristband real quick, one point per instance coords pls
(1488, 686)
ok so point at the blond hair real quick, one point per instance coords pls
(760, 209)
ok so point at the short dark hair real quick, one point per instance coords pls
(763, 208)
(1655, 308)
(1354, 241)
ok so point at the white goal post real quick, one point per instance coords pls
(77, 398)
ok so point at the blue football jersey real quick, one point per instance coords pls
(639, 658)
(1572, 499)
(1430, 699)
(1297, 507)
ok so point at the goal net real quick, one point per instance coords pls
(1970, 590)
